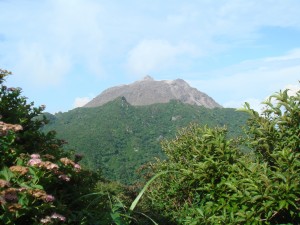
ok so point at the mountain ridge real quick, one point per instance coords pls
(149, 91)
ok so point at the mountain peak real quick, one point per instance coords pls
(149, 91)
(148, 78)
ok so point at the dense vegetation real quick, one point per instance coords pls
(118, 137)
(207, 180)
(206, 177)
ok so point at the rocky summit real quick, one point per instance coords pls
(149, 91)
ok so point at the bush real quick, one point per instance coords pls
(209, 180)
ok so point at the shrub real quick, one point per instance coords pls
(209, 180)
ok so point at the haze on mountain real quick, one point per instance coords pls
(149, 91)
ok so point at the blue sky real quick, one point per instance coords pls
(64, 52)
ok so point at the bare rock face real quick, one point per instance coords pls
(149, 91)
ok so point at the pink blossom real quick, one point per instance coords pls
(49, 198)
(77, 167)
(53, 166)
(34, 161)
(35, 156)
(64, 177)
(49, 165)
(58, 216)
(46, 220)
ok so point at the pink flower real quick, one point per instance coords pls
(58, 216)
(49, 198)
(64, 177)
(49, 165)
(34, 162)
(67, 161)
(46, 220)
(77, 167)
(35, 156)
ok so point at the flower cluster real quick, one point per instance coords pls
(22, 170)
(67, 161)
(41, 194)
(5, 127)
(9, 196)
(36, 161)
(52, 218)
(4, 183)
(64, 177)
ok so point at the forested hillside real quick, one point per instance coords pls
(118, 137)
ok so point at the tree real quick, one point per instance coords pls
(39, 182)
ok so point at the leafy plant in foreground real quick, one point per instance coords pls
(217, 184)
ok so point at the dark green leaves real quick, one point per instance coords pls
(220, 185)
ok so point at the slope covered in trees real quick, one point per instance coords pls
(119, 137)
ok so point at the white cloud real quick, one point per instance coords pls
(254, 104)
(208, 27)
(41, 67)
(293, 54)
(85, 32)
(77, 30)
(152, 55)
(252, 80)
(292, 89)
(81, 101)
(47, 42)
(53, 40)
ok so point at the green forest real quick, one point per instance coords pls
(209, 172)
(119, 138)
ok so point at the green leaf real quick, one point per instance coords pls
(200, 211)
(283, 204)
(136, 200)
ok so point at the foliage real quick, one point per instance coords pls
(39, 182)
(204, 176)
(118, 137)
(215, 183)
